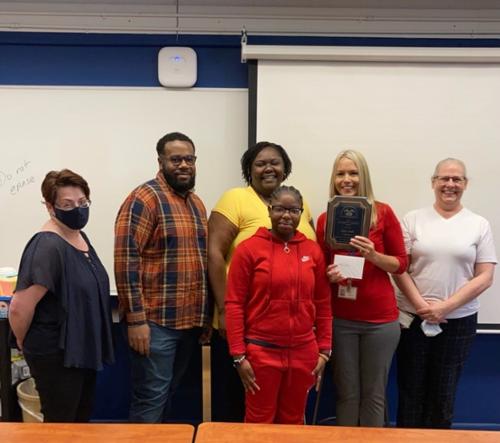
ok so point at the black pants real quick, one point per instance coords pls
(228, 395)
(66, 394)
(428, 372)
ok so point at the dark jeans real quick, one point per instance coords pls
(156, 377)
(228, 395)
(66, 394)
(429, 369)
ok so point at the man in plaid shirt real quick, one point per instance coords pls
(161, 276)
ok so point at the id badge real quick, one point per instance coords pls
(347, 292)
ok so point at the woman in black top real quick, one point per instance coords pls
(60, 313)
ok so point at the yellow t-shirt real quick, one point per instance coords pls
(245, 209)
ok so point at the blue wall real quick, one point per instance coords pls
(477, 405)
(131, 60)
(112, 60)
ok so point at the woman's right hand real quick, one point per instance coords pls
(333, 273)
(435, 311)
(247, 376)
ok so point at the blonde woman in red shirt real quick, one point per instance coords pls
(366, 328)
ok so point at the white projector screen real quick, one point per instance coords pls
(404, 117)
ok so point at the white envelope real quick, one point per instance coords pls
(350, 266)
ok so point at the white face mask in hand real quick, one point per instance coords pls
(430, 329)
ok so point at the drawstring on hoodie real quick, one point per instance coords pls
(294, 305)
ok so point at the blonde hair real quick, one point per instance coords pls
(365, 188)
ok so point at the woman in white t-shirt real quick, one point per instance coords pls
(452, 259)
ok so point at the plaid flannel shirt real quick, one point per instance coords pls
(161, 257)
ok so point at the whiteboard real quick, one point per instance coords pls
(403, 117)
(108, 135)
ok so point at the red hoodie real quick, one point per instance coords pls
(278, 296)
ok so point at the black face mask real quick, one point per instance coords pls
(76, 218)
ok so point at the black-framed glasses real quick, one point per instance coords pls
(176, 160)
(443, 179)
(280, 210)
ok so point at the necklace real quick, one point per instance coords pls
(286, 248)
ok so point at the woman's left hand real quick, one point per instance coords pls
(434, 312)
(245, 371)
(364, 246)
(318, 371)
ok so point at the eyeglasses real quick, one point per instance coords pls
(176, 160)
(280, 210)
(68, 206)
(443, 179)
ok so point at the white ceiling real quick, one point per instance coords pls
(437, 18)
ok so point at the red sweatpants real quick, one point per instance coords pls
(284, 377)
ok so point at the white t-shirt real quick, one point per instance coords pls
(444, 252)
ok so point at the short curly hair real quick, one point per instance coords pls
(251, 153)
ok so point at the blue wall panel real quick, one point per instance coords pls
(131, 60)
(112, 60)
(476, 405)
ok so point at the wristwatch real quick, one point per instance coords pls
(238, 361)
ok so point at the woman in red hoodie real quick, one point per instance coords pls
(279, 322)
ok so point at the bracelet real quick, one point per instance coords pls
(238, 361)
(324, 357)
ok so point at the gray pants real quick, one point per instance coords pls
(362, 356)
